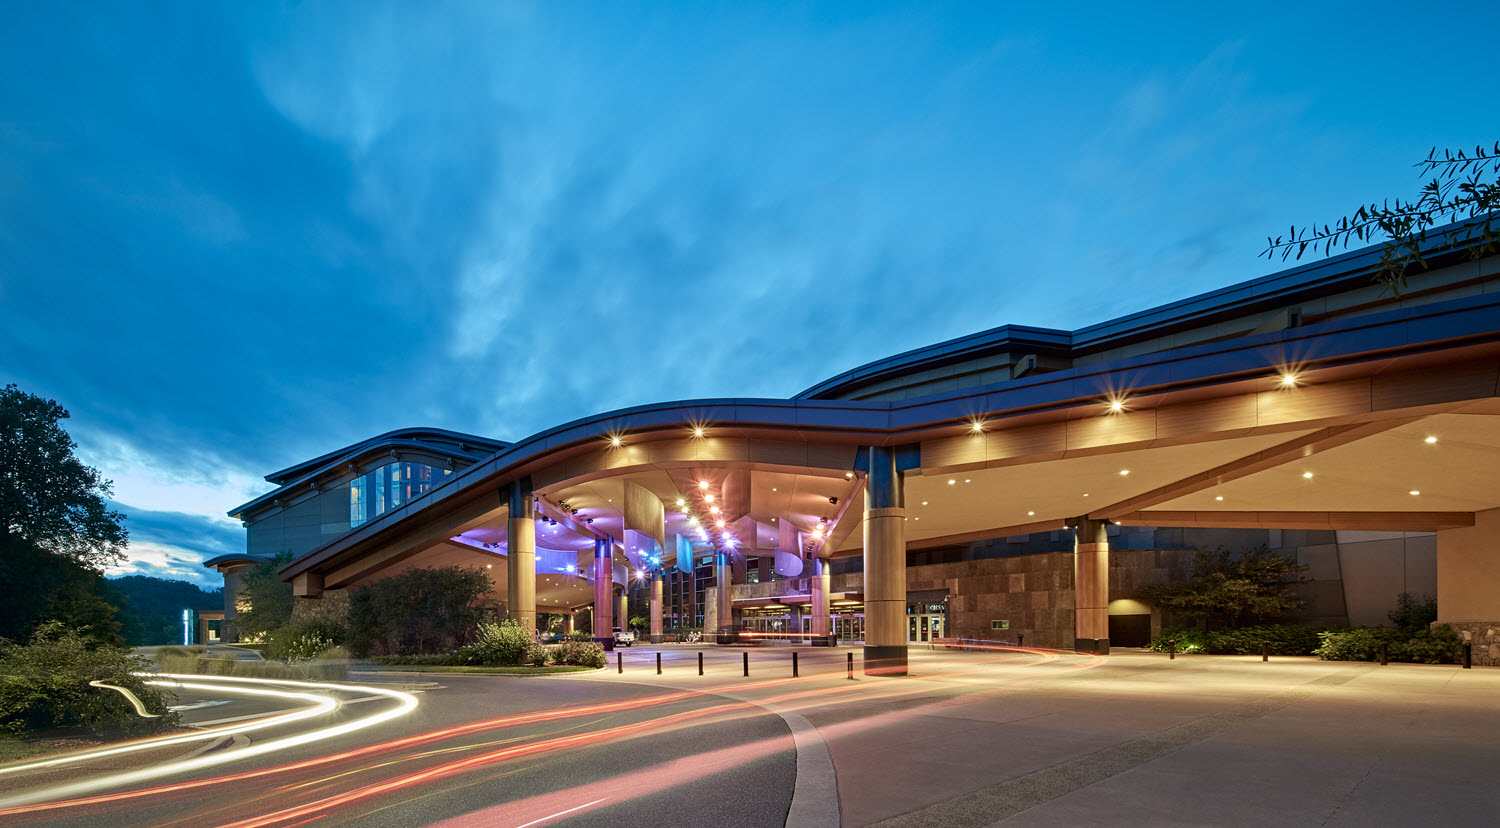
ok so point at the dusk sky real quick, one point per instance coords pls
(236, 235)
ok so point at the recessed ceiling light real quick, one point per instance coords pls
(1117, 405)
(1414, 492)
(703, 484)
(1430, 440)
(1220, 497)
(614, 441)
(924, 503)
(977, 427)
(709, 498)
(951, 482)
(1288, 380)
(1307, 475)
(697, 432)
(1085, 494)
(1124, 472)
(967, 480)
(681, 502)
(1030, 513)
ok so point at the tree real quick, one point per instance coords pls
(265, 603)
(48, 497)
(153, 607)
(422, 610)
(1254, 586)
(57, 532)
(1463, 186)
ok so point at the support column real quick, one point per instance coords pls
(1091, 587)
(567, 625)
(521, 557)
(1468, 585)
(820, 578)
(724, 607)
(622, 620)
(604, 592)
(885, 565)
(656, 634)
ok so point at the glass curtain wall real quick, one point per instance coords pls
(390, 487)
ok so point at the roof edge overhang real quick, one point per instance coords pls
(483, 446)
(1305, 282)
(1365, 346)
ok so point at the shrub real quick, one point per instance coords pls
(497, 643)
(301, 640)
(586, 654)
(1413, 612)
(1285, 639)
(1438, 645)
(45, 684)
(581, 636)
(537, 655)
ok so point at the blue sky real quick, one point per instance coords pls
(236, 235)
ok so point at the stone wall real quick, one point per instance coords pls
(1484, 635)
(333, 605)
(1034, 593)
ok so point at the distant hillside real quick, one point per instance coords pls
(153, 614)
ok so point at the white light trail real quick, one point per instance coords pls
(406, 704)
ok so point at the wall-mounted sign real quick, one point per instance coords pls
(1000, 625)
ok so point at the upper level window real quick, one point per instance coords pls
(390, 487)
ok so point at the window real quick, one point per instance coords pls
(390, 487)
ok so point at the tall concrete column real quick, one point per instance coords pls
(521, 558)
(604, 591)
(567, 625)
(1468, 584)
(722, 580)
(1091, 586)
(656, 634)
(820, 578)
(885, 565)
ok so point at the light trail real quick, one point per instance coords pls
(41, 799)
(319, 706)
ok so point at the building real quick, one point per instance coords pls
(1015, 482)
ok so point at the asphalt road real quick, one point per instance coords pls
(477, 750)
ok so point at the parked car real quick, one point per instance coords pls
(624, 638)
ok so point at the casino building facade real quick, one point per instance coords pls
(1018, 483)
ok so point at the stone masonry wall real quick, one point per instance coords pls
(1484, 635)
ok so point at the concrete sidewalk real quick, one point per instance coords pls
(1020, 738)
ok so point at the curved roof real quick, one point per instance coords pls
(1303, 283)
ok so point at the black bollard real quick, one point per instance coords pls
(619, 662)
(658, 664)
(794, 664)
(1468, 655)
(1265, 651)
(747, 664)
(1385, 653)
(851, 666)
(1171, 651)
(1020, 639)
(700, 663)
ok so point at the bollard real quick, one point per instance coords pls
(700, 663)
(1171, 651)
(1265, 651)
(794, 664)
(747, 664)
(851, 666)
(658, 664)
(1020, 639)
(1385, 654)
(1468, 655)
(619, 662)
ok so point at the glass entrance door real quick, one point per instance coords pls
(922, 629)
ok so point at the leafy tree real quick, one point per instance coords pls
(48, 497)
(1463, 186)
(1413, 612)
(1254, 586)
(265, 602)
(56, 531)
(423, 610)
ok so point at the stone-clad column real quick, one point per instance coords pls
(885, 566)
(819, 578)
(604, 592)
(521, 558)
(722, 580)
(1091, 586)
(656, 634)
